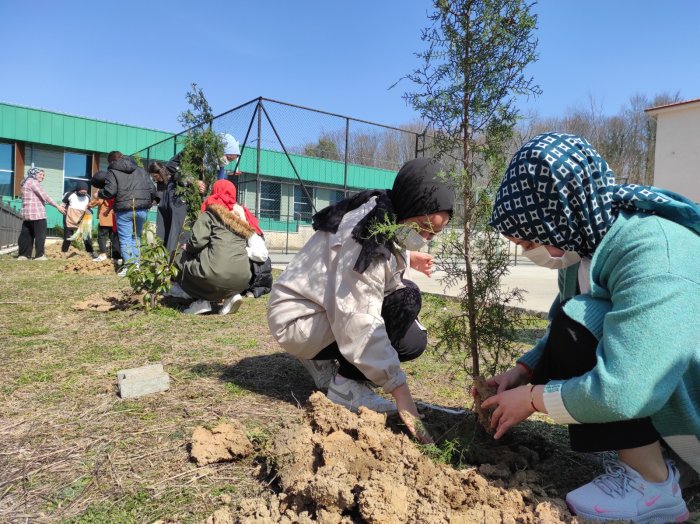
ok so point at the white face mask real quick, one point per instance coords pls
(541, 257)
(410, 239)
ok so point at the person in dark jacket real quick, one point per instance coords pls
(214, 265)
(134, 193)
(172, 209)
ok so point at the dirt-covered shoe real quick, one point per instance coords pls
(622, 494)
(352, 394)
(322, 371)
(99, 258)
(198, 307)
(231, 304)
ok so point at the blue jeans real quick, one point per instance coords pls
(130, 244)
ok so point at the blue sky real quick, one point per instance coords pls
(133, 62)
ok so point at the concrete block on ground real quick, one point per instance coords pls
(137, 382)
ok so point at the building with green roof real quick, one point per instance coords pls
(71, 148)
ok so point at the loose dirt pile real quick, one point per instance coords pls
(343, 468)
(223, 443)
(87, 266)
(125, 299)
(78, 261)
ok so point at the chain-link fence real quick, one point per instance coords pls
(296, 160)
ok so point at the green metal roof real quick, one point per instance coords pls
(73, 132)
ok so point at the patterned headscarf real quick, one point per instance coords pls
(558, 191)
(32, 173)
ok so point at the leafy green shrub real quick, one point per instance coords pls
(154, 272)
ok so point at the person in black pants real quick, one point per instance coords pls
(77, 206)
(570, 351)
(620, 363)
(34, 200)
(407, 336)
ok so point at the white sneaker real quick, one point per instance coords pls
(101, 257)
(231, 304)
(122, 271)
(198, 307)
(352, 394)
(177, 291)
(622, 494)
(22, 258)
(322, 371)
(41, 258)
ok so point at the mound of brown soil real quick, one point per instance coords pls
(87, 266)
(341, 468)
(125, 299)
(223, 443)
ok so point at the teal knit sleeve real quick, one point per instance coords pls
(649, 337)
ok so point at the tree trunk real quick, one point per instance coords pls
(468, 200)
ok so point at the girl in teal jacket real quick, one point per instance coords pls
(621, 363)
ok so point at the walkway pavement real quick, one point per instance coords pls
(539, 285)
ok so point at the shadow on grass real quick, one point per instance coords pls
(278, 376)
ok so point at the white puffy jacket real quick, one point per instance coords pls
(319, 298)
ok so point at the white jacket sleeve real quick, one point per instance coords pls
(357, 323)
(256, 248)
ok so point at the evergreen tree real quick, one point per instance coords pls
(201, 153)
(471, 73)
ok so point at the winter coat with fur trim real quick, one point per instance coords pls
(215, 264)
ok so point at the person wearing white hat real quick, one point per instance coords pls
(232, 151)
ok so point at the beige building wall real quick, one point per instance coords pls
(677, 156)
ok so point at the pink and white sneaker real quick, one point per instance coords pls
(622, 494)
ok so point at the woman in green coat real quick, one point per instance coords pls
(214, 265)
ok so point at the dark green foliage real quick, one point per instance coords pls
(154, 273)
(201, 153)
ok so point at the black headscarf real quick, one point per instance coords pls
(419, 189)
(82, 186)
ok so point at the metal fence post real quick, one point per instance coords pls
(257, 161)
(347, 157)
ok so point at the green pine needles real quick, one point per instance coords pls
(201, 153)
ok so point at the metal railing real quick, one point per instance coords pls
(10, 226)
